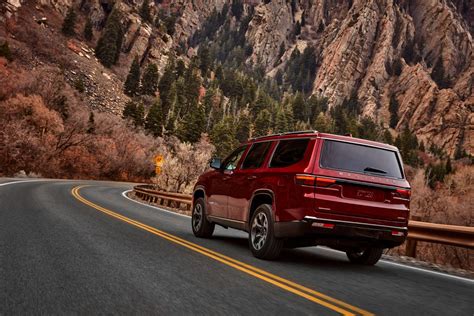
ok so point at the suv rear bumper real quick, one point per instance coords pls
(386, 236)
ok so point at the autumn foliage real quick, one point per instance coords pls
(47, 130)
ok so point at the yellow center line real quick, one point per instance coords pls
(300, 290)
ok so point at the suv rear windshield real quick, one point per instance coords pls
(360, 159)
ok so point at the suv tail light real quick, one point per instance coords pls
(404, 193)
(304, 179)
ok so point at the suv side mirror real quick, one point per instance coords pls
(215, 163)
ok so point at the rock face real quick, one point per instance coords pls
(419, 51)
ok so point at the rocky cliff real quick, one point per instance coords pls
(419, 52)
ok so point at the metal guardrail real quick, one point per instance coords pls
(460, 236)
(168, 199)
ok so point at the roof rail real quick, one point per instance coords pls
(287, 133)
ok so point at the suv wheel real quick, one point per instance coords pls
(368, 256)
(262, 240)
(201, 226)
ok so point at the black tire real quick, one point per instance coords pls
(368, 256)
(204, 228)
(269, 247)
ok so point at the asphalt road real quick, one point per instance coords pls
(89, 250)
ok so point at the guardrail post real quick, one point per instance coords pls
(410, 248)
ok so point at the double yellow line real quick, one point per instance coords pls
(287, 285)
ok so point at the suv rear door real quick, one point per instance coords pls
(243, 181)
(357, 182)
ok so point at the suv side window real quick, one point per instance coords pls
(230, 163)
(256, 155)
(289, 152)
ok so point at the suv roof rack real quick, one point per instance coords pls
(287, 133)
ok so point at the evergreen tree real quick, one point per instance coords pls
(299, 107)
(133, 79)
(222, 136)
(69, 22)
(110, 42)
(167, 94)
(422, 146)
(205, 60)
(5, 51)
(237, 8)
(449, 167)
(243, 128)
(298, 28)
(91, 123)
(139, 118)
(145, 11)
(150, 80)
(154, 119)
(368, 129)
(322, 123)
(88, 32)
(193, 125)
(263, 123)
(263, 102)
(281, 122)
(393, 109)
(387, 136)
(434, 174)
(129, 110)
(135, 113)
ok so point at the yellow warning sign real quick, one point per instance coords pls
(159, 160)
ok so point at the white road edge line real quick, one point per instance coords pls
(413, 268)
(19, 181)
(124, 194)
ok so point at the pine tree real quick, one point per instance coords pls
(299, 107)
(387, 136)
(298, 28)
(139, 118)
(110, 42)
(154, 120)
(91, 124)
(263, 123)
(222, 136)
(133, 79)
(145, 11)
(393, 109)
(150, 80)
(243, 128)
(322, 124)
(129, 110)
(5, 51)
(167, 94)
(281, 122)
(449, 167)
(69, 22)
(193, 126)
(204, 60)
(88, 33)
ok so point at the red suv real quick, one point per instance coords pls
(305, 189)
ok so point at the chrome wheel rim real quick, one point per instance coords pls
(197, 217)
(259, 231)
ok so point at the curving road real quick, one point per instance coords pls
(82, 247)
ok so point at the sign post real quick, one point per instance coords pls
(158, 163)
